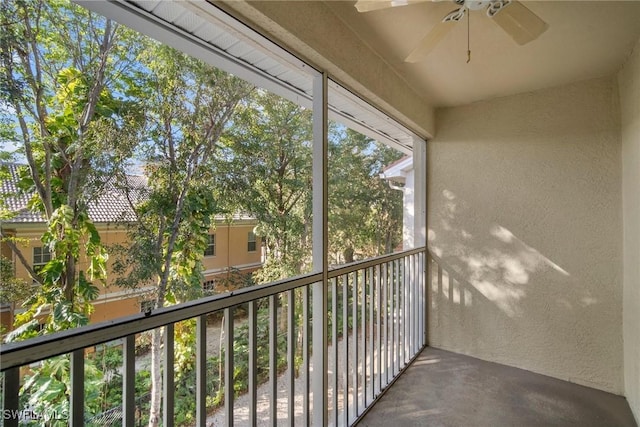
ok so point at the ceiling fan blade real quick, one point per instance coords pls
(430, 41)
(519, 22)
(369, 5)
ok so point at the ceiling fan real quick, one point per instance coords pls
(512, 16)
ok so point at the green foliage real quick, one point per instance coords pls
(66, 239)
(189, 105)
(365, 214)
(64, 110)
(269, 168)
(13, 290)
(62, 75)
(47, 389)
(188, 109)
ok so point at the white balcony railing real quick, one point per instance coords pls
(376, 314)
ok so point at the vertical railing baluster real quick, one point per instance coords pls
(427, 295)
(401, 311)
(423, 300)
(363, 310)
(305, 356)
(416, 279)
(354, 307)
(372, 363)
(11, 395)
(392, 332)
(398, 316)
(392, 328)
(168, 380)
(201, 370)
(228, 365)
(77, 388)
(403, 315)
(291, 348)
(129, 381)
(417, 301)
(385, 327)
(273, 361)
(253, 361)
(411, 313)
(334, 343)
(428, 303)
(378, 331)
(345, 352)
(411, 309)
(439, 292)
(407, 304)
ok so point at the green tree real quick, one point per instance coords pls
(63, 70)
(365, 214)
(269, 164)
(13, 290)
(189, 106)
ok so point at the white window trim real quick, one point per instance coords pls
(254, 241)
(210, 244)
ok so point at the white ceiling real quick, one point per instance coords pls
(585, 39)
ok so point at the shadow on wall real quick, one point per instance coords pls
(497, 264)
(496, 297)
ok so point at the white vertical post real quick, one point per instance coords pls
(420, 191)
(320, 244)
(420, 223)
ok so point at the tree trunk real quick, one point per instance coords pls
(348, 255)
(156, 377)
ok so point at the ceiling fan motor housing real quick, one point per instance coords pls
(476, 4)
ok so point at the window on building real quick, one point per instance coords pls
(251, 242)
(211, 246)
(41, 256)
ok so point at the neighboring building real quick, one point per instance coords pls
(400, 175)
(233, 247)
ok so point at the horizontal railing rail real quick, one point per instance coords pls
(24, 352)
(21, 353)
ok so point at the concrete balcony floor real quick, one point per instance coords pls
(442, 388)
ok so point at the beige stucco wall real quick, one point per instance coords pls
(629, 85)
(524, 209)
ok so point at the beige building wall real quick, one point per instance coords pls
(113, 301)
(524, 210)
(629, 86)
(232, 248)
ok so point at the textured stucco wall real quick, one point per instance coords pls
(524, 211)
(629, 85)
